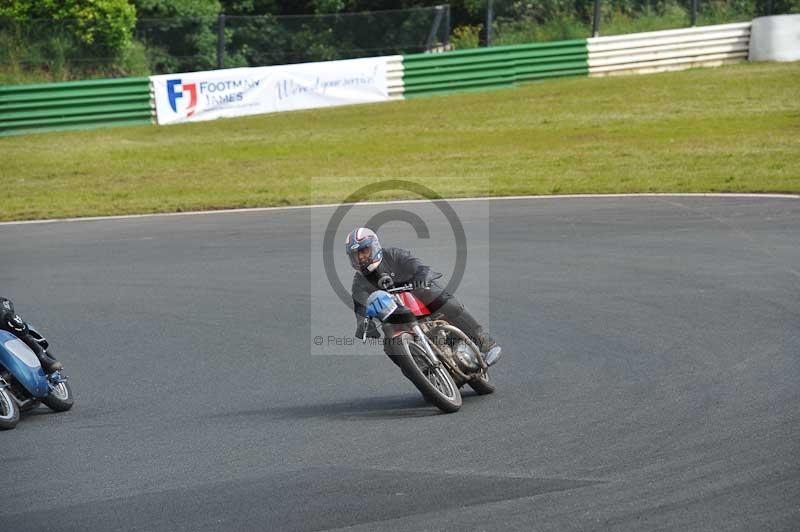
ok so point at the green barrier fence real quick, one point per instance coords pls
(500, 66)
(97, 103)
(74, 105)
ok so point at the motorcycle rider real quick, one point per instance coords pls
(372, 263)
(11, 322)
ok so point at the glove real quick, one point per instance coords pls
(372, 330)
(422, 278)
(18, 324)
(420, 282)
(13, 320)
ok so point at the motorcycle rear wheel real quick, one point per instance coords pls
(9, 411)
(434, 383)
(483, 384)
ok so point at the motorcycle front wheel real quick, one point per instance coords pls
(9, 411)
(60, 398)
(434, 382)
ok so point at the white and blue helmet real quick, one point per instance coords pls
(361, 238)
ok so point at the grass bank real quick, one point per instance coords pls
(731, 129)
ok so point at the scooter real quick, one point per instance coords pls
(23, 382)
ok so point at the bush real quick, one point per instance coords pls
(180, 36)
(466, 37)
(102, 26)
(57, 41)
(509, 31)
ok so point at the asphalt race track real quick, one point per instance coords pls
(651, 378)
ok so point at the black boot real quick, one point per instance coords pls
(462, 319)
(49, 364)
(487, 345)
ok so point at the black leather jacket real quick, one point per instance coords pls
(11, 322)
(399, 264)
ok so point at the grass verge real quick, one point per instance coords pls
(730, 129)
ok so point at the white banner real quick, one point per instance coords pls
(247, 91)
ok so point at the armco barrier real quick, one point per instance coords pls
(84, 104)
(394, 77)
(499, 66)
(660, 51)
(74, 105)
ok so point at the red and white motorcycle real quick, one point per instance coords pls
(436, 356)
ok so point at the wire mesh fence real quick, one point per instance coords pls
(71, 49)
(234, 41)
(524, 21)
(54, 50)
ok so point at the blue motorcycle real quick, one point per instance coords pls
(23, 383)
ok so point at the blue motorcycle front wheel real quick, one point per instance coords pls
(9, 411)
(60, 398)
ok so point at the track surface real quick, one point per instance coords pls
(651, 379)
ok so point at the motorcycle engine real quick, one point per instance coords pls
(465, 357)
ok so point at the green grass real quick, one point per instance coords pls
(731, 129)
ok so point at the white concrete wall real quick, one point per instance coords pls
(775, 38)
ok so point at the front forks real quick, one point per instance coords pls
(56, 378)
(433, 359)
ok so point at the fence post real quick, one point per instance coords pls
(489, 18)
(437, 21)
(221, 41)
(596, 19)
(694, 13)
(447, 27)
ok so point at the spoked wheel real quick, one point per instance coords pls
(434, 382)
(483, 384)
(60, 398)
(9, 411)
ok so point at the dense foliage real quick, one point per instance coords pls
(63, 39)
(103, 24)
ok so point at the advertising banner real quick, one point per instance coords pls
(199, 96)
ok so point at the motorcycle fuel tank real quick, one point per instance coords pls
(413, 304)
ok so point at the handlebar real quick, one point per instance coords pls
(404, 288)
(408, 287)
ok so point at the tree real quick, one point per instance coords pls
(103, 26)
(180, 35)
